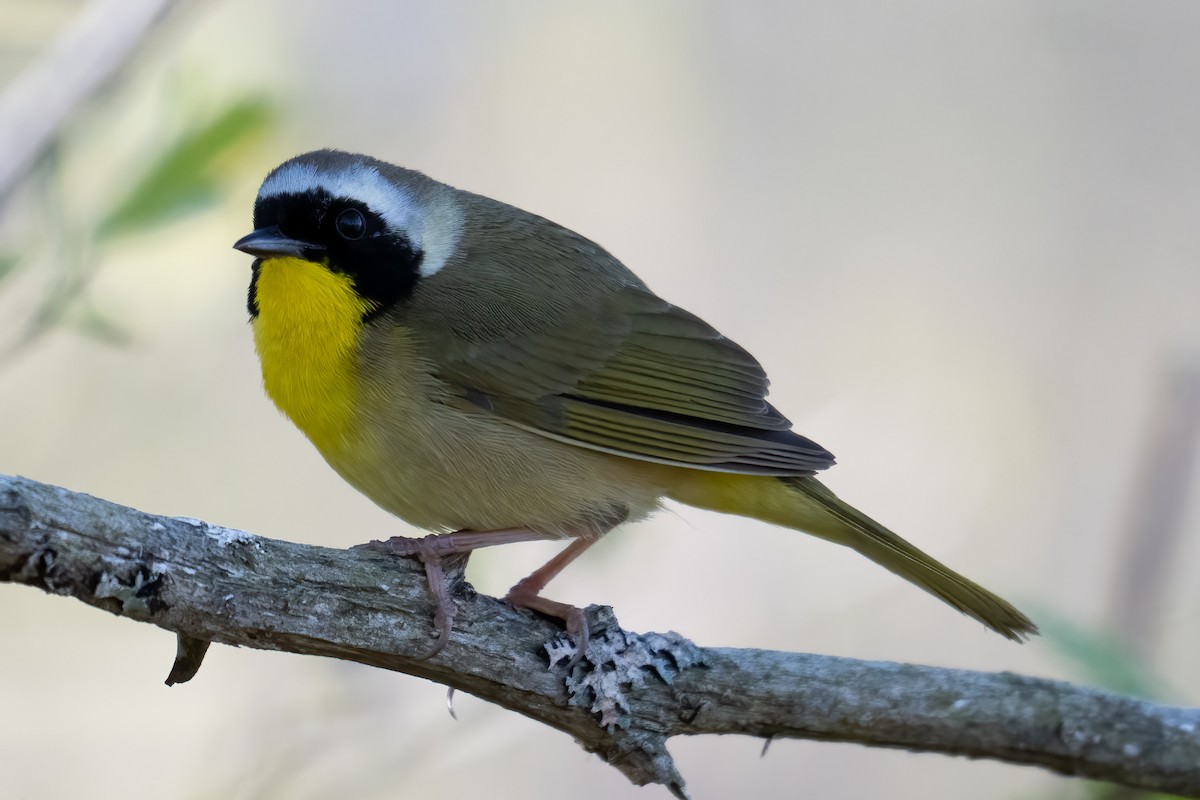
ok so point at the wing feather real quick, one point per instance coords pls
(586, 354)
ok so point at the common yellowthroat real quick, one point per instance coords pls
(486, 374)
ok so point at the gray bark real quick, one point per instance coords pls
(622, 700)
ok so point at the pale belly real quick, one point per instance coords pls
(441, 468)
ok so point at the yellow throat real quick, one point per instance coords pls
(307, 333)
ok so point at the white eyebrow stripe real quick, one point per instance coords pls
(358, 182)
(443, 226)
(434, 228)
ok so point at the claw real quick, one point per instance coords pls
(430, 551)
(435, 551)
(577, 629)
(574, 617)
(447, 609)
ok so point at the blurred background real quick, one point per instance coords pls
(962, 238)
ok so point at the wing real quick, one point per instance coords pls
(547, 330)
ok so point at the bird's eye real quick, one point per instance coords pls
(350, 224)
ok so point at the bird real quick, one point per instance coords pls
(490, 376)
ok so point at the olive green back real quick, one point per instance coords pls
(536, 324)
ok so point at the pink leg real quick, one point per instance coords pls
(432, 549)
(526, 594)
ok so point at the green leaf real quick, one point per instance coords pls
(1100, 657)
(188, 175)
(8, 262)
(96, 325)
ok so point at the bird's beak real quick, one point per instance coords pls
(271, 243)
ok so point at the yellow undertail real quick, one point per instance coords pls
(805, 504)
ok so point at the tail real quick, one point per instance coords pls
(806, 505)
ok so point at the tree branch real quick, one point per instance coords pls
(622, 701)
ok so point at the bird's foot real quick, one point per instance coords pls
(438, 551)
(573, 617)
(432, 551)
(527, 594)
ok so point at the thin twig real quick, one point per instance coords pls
(1154, 532)
(622, 701)
(88, 54)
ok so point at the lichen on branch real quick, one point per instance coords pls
(627, 695)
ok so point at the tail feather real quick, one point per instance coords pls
(807, 505)
(885, 548)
